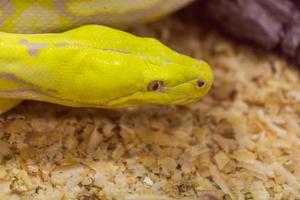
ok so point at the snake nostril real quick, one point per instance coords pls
(155, 85)
(200, 83)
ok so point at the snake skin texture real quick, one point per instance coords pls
(40, 16)
(92, 65)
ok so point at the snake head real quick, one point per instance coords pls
(136, 71)
(167, 77)
(179, 82)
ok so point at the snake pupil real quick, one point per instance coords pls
(155, 85)
(201, 83)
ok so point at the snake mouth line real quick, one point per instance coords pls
(110, 101)
(50, 95)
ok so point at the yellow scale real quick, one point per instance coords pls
(90, 66)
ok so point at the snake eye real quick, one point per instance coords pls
(155, 85)
(200, 83)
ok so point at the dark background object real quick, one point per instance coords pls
(272, 24)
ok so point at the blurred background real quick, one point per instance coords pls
(241, 141)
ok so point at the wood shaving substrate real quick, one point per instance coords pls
(242, 141)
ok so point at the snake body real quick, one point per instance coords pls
(43, 16)
(95, 66)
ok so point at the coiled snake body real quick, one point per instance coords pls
(93, 65)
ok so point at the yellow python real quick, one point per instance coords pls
(93, 65)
